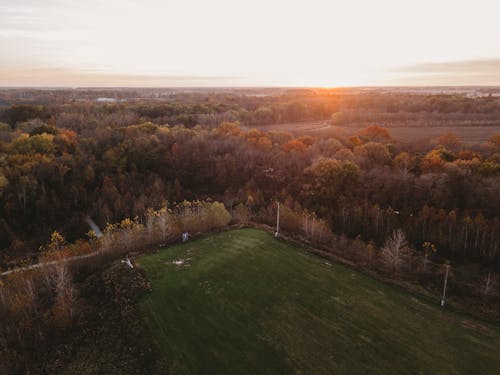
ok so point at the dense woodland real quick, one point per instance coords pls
(65, 159)
(151, 166)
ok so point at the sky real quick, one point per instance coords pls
(326, 43)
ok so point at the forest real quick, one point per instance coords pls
(63, 159)
(148, 166)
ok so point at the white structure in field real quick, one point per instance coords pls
(128, 262)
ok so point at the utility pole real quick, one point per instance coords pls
(445, 283)
(276, 234)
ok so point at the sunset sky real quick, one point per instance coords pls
(249, 43)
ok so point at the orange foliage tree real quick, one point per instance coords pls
(294, 145)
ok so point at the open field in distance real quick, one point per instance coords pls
(476, 134)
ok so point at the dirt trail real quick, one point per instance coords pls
(47, 264)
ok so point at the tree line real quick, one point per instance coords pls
(74, 109)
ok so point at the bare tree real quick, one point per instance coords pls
(395, 249)
(488, 284)
(65, 301)
(429, 249)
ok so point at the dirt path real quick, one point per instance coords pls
(47, 264)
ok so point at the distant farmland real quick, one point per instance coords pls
(473, 134)
(243, 302)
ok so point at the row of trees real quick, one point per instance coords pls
(463, 236)
(161, 226)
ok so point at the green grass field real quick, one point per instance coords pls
(242, 302)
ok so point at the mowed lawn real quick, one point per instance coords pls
(243, 302)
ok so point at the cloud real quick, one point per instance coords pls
(479, 66)
(464, 72)
(55, 76)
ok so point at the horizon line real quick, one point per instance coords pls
(245, 86)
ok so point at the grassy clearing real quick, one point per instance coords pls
(244, 302)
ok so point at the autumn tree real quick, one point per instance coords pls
(23, 112)
(375, 133)
(449, 140)
(241, 214)
(372, 154)
(228, 129)
(294, 145)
